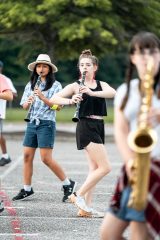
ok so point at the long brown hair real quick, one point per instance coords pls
(141, 40)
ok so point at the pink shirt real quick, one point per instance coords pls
(3, 84)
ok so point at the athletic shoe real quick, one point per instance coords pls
(23, 194)
(79, 202)
(68, 190)
(1, 206)
(93, 214)
(4, 161)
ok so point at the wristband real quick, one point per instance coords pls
(54, 107)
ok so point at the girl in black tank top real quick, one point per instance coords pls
(92, 105)
(90, 127)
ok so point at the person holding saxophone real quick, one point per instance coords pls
(41, 126)
(132, 102)
(90, 94)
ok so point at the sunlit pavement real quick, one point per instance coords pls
(44, 216)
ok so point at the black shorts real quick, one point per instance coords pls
(89, 130)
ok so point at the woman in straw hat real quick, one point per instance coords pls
(40, 131)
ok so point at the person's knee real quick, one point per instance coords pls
(27, 158)
(45, 160)
(105, 169)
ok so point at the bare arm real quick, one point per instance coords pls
(107, 91)
(63, 97)
(6, 95)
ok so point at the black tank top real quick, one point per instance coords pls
(92, 105)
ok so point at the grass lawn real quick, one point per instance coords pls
(64, 115)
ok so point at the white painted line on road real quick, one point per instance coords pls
(19, 234)
(11, 168)
(14, 207)
(52, 217)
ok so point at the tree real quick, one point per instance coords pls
(64, 27)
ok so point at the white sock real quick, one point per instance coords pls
(5, 155)
(27, 188)
(66, 182)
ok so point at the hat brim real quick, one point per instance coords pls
(32, 65)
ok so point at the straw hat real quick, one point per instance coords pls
(42, 58)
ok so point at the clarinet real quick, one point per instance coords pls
(27, 118)
(76, 115)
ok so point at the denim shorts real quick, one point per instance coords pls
(125, 213)
(41, 135)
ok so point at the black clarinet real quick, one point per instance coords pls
(27, 118)
(76, 115)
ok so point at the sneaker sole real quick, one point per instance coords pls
(82, 213)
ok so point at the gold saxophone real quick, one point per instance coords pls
(141, 143)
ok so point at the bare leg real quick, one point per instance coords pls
(3, 144)
(92, 167)
(28, 164)
(139, 231)
(112, 228)
(46, 156)
(98, 156)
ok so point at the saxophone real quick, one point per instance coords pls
(141, 142)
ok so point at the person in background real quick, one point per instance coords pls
(90, 128)
(5, 158)
(144, 224)
(5, 94)
(41, 128)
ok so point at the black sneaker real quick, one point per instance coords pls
(23, 194)
(1, 206)
(68, 190)
(4, 161)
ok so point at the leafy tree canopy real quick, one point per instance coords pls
(65, 27)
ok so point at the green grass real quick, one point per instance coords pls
(64, 115)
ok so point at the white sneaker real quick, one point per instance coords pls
(97, 214)
(80, 203)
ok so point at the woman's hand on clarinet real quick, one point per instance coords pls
(87, 90)
(30, 100)
(38, 93)
(76, 98)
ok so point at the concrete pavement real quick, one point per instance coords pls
(44, 216)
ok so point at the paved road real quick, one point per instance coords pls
(44, 216)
